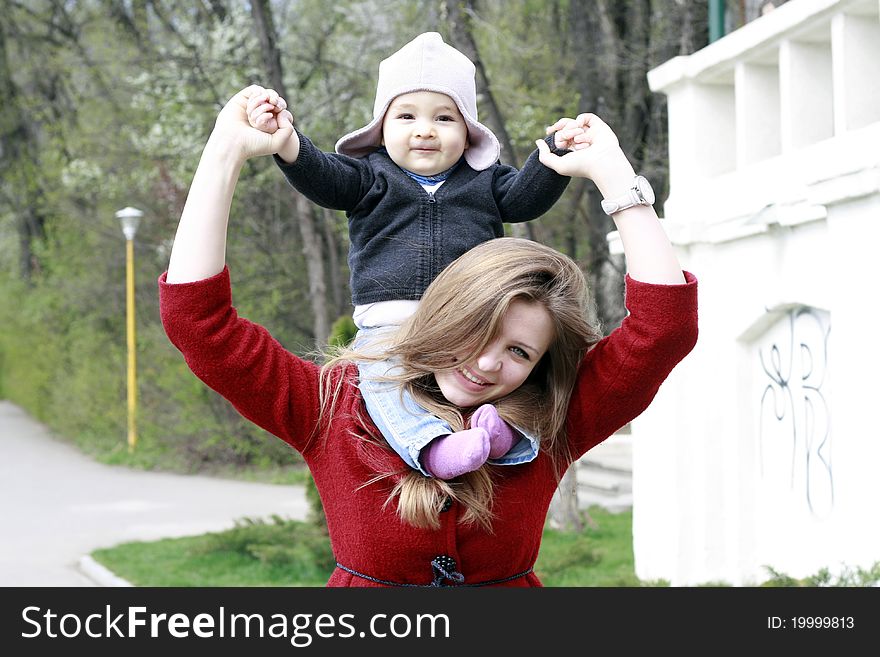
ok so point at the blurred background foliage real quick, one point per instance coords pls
(107, 103)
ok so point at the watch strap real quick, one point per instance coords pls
(625, 201)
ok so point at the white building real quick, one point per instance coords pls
(762, 449)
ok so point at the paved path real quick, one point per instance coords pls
(57, 505)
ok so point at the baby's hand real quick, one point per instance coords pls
(267, 111)
(596, 152)
(569, 133)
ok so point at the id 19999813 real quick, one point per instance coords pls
(811, 623)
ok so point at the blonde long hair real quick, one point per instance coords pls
(459, 314)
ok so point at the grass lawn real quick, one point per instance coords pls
(282, 552)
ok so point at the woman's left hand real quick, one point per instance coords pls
(595, 150)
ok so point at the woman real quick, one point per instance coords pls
(505, 323)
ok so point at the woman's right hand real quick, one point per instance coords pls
(199, 249)
(233, 131)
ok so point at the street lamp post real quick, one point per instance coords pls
(129, 218)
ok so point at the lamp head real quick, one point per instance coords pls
(129, 217)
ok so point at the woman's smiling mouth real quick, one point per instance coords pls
(473, 378)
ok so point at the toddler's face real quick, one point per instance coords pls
(424, 132)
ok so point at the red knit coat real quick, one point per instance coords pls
(279, 391)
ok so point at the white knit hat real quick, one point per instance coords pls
(427, 64)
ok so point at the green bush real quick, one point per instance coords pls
(299, 548)
(342, 331)
(63, 358)
(848, 576)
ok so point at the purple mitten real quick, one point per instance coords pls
(501, 435)
(456, 453)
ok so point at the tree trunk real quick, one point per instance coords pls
(314, 254)
(618, 41)
(338, 288)
(265, 26)
(564, 512)
(315, 267)
(458, 16)
(20, 180)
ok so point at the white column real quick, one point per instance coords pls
(855, 44)
(757, 112)
(702, 132)
(805, 93)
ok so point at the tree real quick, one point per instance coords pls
(613, 45)
(21, 189)
(459, 18)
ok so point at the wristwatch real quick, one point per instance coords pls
(639, 193)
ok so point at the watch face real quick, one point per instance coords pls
(645, 189)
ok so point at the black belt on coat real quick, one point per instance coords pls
(444, 573)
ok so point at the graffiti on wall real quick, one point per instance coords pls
(794, 438)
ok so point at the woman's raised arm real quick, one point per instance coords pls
(596, 154)
(199, 249)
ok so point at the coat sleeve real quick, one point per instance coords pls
(239, 359)
(622, 373)
(529, 192)
(330, 180)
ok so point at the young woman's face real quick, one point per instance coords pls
(506, 362)
(424, 132)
